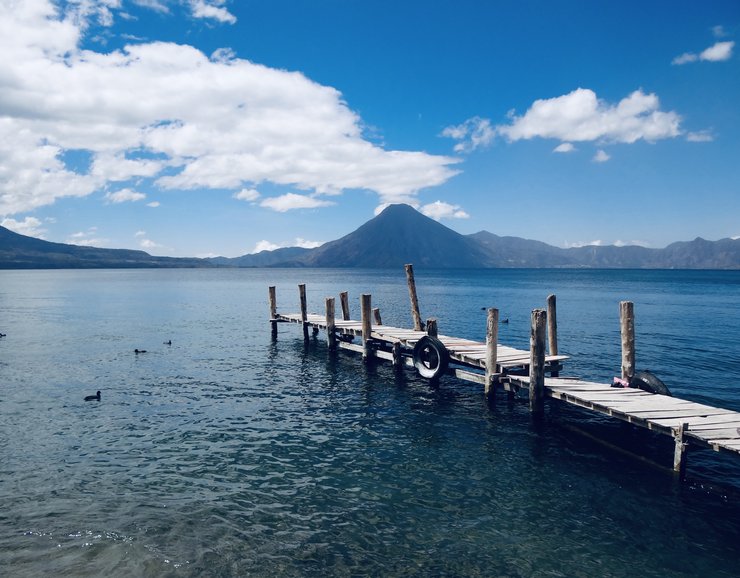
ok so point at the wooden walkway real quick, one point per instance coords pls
(687, 422)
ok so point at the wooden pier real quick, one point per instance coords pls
(496, 366)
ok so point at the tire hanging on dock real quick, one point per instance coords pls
(431, 357)
(647, 381)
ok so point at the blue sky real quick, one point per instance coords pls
(217, 127)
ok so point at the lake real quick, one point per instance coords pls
(227, 453)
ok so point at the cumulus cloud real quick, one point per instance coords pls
(718, 52)
(291, 201)
(564, 147)
(30, 226)
(145, 242)
(306, 244)
(474, 133)
(580, 116)
(439, 210)
(213, 9)
(87, 238)
(153, 204)
(264, 246)
(125, 196)
(601, 156)
(247, 195)
(169, 116)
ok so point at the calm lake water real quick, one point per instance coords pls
(229, 454)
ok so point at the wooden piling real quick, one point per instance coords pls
(432, 327)
(273, 309)
(418, 326)
(679, 453)
(344, 301)
(491, 351)
(396, 352)
(627, 327)
(376, 316)
(366, 306)
(304, 309)
(331, 338)
(552, 328)
(537, 361)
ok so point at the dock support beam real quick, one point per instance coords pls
(627, 327)
(366, 306)
(344, 300)
(491, 352)
(537, 361)
(376, 316)
(432, 330)
(418, 326)
(679, 453)
(552, 328)
(304, 309)
(273, 310)
(331, 337)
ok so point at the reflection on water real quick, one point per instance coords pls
(228, 453)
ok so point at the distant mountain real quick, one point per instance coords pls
(22, 252)
(400, 235)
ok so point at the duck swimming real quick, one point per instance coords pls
(95, 397)
(139, 351)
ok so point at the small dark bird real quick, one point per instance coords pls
(95, 397)
(3, 334)
(504, 320)
(137, 351)
(169, 342)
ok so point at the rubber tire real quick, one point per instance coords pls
(430, 349)
(648, 382)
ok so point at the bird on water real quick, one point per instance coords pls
(95, 397)
(139, 350)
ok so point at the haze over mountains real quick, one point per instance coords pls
(398, 235)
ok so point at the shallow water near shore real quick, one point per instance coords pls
(228, 453)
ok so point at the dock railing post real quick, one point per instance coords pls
(552, 328)
(304, 309)
(273, 310)
(627, 327)
(537, 362)
(366, 306)
(491, 352)
(418, 326)
(331, 338)
(344, 301)
(432, 330)
(376, 316)
(679, 454)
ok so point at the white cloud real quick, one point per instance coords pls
(700, 136)
(474, 133)
(601, 156)
(172, 117)
(247, 195)
(719, 31)
(305, 244)
(290, 201)
(264, 246)
(145, 243)
(124, 196)
(718, 52)
(564, 147)
(87, 238)
(212, 9)
(580, 116)
(153, 204)
(439, 210)
(30, 226)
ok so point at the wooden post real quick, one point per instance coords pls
(552, 328)
(627, 326)
(491, 351)
(376, 316)
(304, 310)
(679, 454)
(432, 327)
(273, 310)
(367, 328)
(344, 300)
(537, 361)
(331, 338)
(397, 357)
(414, 299)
